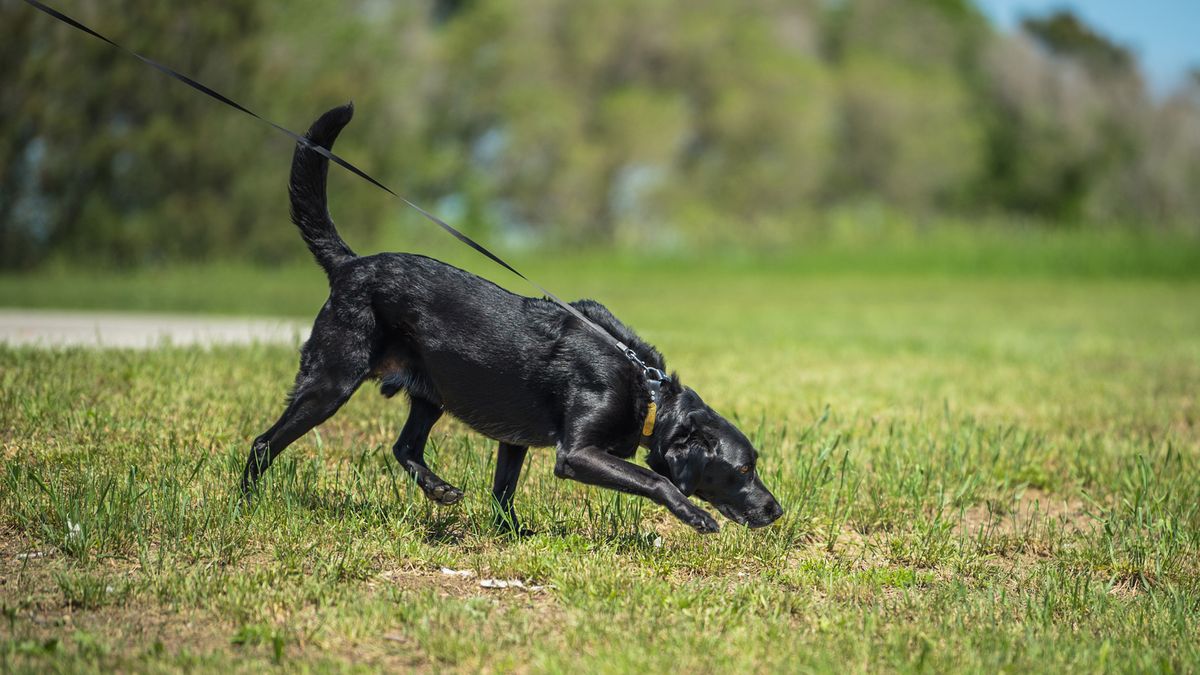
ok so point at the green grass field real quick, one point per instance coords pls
(983, 469)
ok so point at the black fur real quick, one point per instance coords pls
(310, 207)
(516, 369)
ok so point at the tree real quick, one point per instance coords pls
(581, 115)
(109, 160)
(1070, 121)
(1065, 34)
(911, 134)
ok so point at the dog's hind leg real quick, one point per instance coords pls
(410, 452)
(509, 460)
(333, 363)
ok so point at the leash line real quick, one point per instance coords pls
(652, 374)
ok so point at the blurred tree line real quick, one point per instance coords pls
(587, 122)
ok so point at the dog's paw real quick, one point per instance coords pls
(702, 521)
(444, 494)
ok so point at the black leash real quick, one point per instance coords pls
(653, 375)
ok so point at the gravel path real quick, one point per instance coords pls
(139, 331)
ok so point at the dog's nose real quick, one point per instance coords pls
(774, 511)
(770, 513)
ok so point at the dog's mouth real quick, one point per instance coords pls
(730, 514)
(755, 518)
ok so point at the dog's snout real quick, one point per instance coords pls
(774, 511)
(768, 514)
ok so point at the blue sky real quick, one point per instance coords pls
(1165, 34)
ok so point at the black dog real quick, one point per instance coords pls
(519, 370)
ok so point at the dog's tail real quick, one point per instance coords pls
(310, 207)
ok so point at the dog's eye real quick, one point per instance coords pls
(745, 468)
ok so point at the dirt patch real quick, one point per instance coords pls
(137, 625)
(395, 648)
(461, 584)
(1030, 510)
(38, 610)
(26, 572)
(1000, 537)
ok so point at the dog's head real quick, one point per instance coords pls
(704, 455)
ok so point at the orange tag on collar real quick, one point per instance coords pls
(651, 415)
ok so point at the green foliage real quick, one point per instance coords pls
(105, 159)
(888, 152)
(550, 122)
(1065, 33)
(586, 116)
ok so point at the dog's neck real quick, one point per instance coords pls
(665, 419)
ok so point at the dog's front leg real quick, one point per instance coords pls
(596, 467)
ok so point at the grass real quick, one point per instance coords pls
(988, 252)
(982, 471)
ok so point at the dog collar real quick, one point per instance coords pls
(654, 379)
(652, 408)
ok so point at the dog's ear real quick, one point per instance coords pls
(687, 460)
(686, 464)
